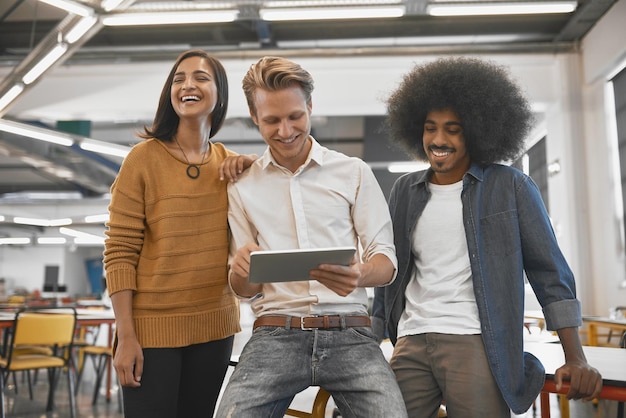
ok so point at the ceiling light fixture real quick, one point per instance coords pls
(407, 167)
(103, 147)
(70, 6)
(170, 18)
(80, 29)
(89, 240)
(28, 197)
(94, 219)
(51, 240)
(10, 95)
(36, 133)
(109, 5)
(495, 8)
(14, 241)
(74, 233)
(45, 63)
(42, 222)
(82, 237)
(316, 3)
(319, 13)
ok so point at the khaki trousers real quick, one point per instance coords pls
(434, 368)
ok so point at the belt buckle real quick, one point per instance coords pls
(302, 327)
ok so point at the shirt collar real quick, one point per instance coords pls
(315, 154)
(476, 170)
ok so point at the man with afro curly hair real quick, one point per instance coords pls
(467, 232)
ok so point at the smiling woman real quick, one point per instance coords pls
(168, 231)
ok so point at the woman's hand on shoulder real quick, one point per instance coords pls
(234, 165)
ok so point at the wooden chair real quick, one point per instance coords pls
(49, 328)
(620, 313)
(319, 403)
(318, 410)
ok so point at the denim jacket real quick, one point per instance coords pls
(508, 234)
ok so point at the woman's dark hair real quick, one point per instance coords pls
(495, 115)
(166, 120)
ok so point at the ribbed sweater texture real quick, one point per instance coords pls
(167, 240)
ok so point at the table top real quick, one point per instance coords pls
(604, 320)
(81, 314)
(610, 362)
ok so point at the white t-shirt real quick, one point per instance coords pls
(440, 295)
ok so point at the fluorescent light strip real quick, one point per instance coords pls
(10, 95)
(318, 13)
(80, 29)
(103, 147)
(93, 219)
(407, 167)
(482, 9)
(42, 222)
(35, 133)
(77, 234)
(89, 240)
(402, 41)
(14, 241)
(51, 240)
(315, 3)
(82, 237)
(70, 6)
(109, 5)
(45, 63)
(170, 18)
(28, 196)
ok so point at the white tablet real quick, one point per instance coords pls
(294, 265)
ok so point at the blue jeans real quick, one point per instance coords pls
(277, 363)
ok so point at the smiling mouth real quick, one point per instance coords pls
(186, 99)
(287, 141)
(440, 151)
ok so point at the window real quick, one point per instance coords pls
(536, 168)
(619, 93)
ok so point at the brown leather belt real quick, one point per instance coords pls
(313, 322)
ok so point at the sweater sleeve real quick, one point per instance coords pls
(125, 228)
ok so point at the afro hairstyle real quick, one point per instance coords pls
(495, 115)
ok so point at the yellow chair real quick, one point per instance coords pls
(101, 356)
(49, 328)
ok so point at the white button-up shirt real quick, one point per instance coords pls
(332, 200)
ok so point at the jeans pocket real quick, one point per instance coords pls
(363, 332)
(268, 331)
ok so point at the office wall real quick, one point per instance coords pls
(603, 51)
(23, 267)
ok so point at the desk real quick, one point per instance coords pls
(595, 322)
(84, 318)
(536, 314)
(610, 362)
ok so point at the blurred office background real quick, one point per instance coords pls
(65, 126)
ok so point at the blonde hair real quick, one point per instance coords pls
(275, 73)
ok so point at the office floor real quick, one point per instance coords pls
(20, 406)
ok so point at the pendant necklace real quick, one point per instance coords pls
(193, 170)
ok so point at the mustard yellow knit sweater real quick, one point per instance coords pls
(167, 240)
